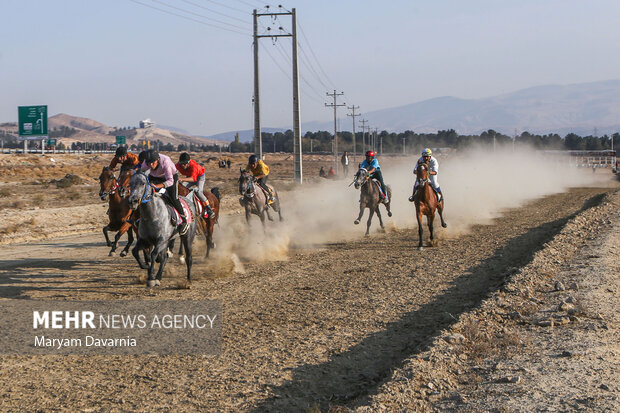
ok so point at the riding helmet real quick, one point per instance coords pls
(253, 159)
(121, 151)
(427, 152)
(184, 158)
(151, 156)
(370, 153)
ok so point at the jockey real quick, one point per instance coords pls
(260, 171)
(127, 160)
(195, 176)
(371, 164)
(164, 175)
(433, 169)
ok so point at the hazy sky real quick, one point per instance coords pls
(119, 61)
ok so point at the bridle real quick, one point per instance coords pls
(422, 181)
(248, 191)
(147, 194)
(115, 187)
(358, 176)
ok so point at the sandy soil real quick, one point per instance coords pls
(366, 324)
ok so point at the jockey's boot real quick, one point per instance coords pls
(411, 198)
(386, 199)
(183, 226)
(439, 195)
(208, 212)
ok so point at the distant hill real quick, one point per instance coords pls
(578, 108)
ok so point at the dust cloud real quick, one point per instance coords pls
(477, 186)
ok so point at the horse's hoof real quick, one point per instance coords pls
(420, 248)
(182, 259)
(389, 213)
(444, 225)
(151, 283)
(123, 253)
(157, 283)
(170, 253)
(111, 254)
(357, 221)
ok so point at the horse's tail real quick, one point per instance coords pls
(216, 191)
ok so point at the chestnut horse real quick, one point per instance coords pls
(207, 225)
(119, 210)
(425, 200)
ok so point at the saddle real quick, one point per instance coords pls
(267, 195)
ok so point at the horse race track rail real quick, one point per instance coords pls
(324, 328)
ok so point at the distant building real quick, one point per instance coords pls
(146, 123)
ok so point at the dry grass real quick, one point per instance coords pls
(480, 343)
(5, 192)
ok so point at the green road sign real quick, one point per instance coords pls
(121, 140)
(32, 120)
(51, 142)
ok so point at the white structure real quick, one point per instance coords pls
(146, 123)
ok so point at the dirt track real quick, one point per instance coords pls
(324, 328)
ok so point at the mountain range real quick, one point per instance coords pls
(584, 109)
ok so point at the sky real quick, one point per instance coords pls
(189, 63)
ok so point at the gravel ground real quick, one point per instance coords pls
(369, 324)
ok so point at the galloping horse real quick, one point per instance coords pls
(119, 210)
(255, 201)
(370, 197)
(206, 224)
(156, 230)
(425, 200)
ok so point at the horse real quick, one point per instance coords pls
(156, 230)
(425, 200)
(255, 201)
(207, 225)
(370, 197)
(119, 211)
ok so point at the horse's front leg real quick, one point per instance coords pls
(420, 228)
(248, 213)
(359, 218)
(187, 242)
(159, 250)
(107, 238)
(129, 231)
(372, 212)
(140, 246)
(208, 229)
(429, 219)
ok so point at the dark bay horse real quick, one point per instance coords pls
(254, 200)
(370, 197)
(156, 230)
(425, 200)
(207, 225)
(119, 210)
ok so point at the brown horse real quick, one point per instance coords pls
(207, 225)
(425, 200)
(119, 211)
(370, 197)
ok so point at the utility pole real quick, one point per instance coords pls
(258, 142)
(353, 115)
(335, 106)
(375, 135)
(363, 122)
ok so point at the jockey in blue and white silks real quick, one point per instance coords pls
(371, 164)
(433, 170)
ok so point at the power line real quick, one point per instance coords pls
(199, 15)
(315, 58)
(216, 12)
(227, 6)
(187, 18)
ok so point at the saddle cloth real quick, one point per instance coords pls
(174, 214)
(379, 186)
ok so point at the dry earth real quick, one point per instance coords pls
(517, 315)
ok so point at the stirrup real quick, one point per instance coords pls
(411, 198)
(183, 228)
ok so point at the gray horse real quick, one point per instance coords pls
(370, 197)
(156, 230)
(254, 200)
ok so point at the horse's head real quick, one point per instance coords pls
(361, 177)
(107, 183)
(422, 172)
(246, 184)
(141, 190)
(123, 182)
